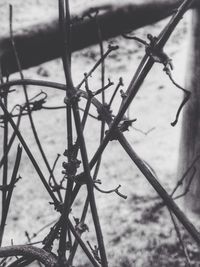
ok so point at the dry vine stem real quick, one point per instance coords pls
(64, 230)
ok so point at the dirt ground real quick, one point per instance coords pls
(134, 236)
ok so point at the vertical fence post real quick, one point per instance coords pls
(190, 132)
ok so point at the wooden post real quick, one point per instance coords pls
(190, 135)
(40, 42)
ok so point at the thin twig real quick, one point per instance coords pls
(120, 83)
(5, 169)
(51, 177)
(180, 239)
(75, 245)
(30, 155)
(187, 189)
(115, 190)
(180, 181)
(102, 131)
(26, 93)
(81, 243)
(142, 132)
(88, 104)
(12, 138)
(159, 189)
(65, 30)
(185, 99)
(9, 194)
(90, 186)
(110, 49)
(103, 88)
(42, 229)
(135, 38)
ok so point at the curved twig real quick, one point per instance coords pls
(115, 190)
(185, 99)
(47, 258)
(139, 40)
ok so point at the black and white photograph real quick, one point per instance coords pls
(100, 133)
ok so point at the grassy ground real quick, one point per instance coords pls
(134, 236)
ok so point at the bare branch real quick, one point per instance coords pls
(47, 258)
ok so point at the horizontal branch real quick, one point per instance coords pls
(40, 43)
(47, 258)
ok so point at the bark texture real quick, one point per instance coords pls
(47, 258)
